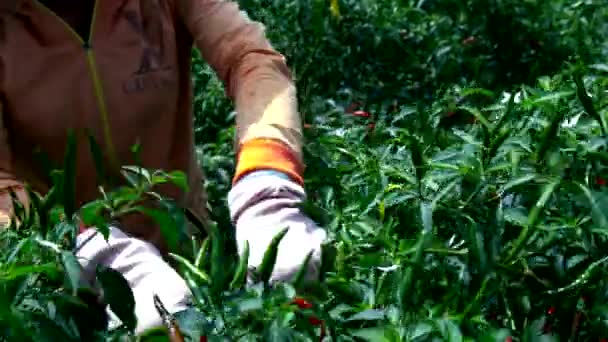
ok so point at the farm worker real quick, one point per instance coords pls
(121, 69)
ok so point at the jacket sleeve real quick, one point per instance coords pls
(257, 79)
(8, 181)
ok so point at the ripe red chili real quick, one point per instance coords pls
(509, 339)
(469, 40)
(551, 310)
(302, 303)
(314, 320)
(203, 339)
(600, 181)
(361, 113)
(352, 107)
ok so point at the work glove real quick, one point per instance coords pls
(261, 205)
(142, 266)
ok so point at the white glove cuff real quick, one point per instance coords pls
(251, 191)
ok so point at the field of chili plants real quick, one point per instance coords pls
(456, 152)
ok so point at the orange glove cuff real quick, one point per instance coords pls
(267, 154)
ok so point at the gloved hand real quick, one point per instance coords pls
(261, 205)
(142, 266)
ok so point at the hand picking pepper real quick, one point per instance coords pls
(120, 71)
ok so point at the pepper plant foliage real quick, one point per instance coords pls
(456, 154)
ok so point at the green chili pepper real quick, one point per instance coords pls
(270, 257)
(586, 101)
(200, 260)
(300, 276)
(191, 268)
(549, 134)
(591, 271)
(240, 276)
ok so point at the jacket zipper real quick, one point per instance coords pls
(98, 89)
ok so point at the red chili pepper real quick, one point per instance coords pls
(352, 107)
(469, 40)
(600, 181)
(604, 340)
(203, 339)
(371, 126)
(361, 113)
(314, 320)
(509, 339)
(302, 303)
(551, 310)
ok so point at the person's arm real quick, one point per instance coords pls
(268, 186)
(256, 77)
(8, 181)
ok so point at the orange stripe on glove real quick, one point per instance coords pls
(267, 154)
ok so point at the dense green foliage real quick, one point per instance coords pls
(456, 153)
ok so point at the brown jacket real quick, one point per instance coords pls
(129, 82)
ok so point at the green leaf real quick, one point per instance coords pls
(250, 304)
(179, 178)
(92, 214)
(12, 272)
(118, 295)
(422, 329)
(73, 270)
(478, 115)
(372, 334)
(193, 323)
(154, 335)
(328, 259)
(136, 175)
(599, 218)
(518, 181)
(168, 227)
(368, 315)
(451, 331)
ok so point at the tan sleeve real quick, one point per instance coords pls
(269, 132)
(7, 178)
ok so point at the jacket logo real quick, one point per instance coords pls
(147, 24)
